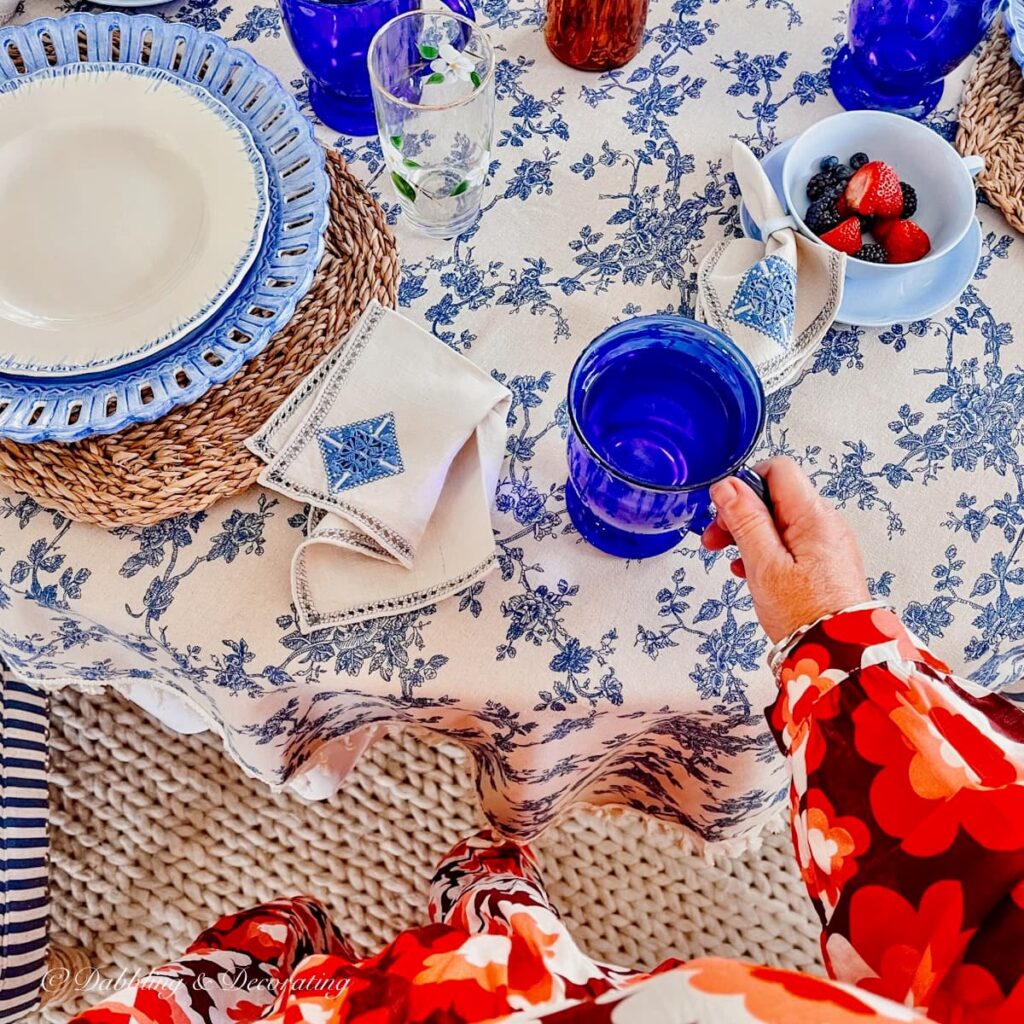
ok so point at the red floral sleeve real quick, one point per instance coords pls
(908, 818)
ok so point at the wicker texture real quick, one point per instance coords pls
(195, 456)
(153, 835)
(992, 126)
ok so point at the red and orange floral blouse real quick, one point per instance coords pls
(908, 821)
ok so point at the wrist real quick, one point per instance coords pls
(782, 651)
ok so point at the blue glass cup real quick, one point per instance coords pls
(898, 51)
(660, 407)
(332, 40)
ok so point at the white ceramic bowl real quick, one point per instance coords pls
(943, 180)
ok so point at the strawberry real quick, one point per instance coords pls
(906, 242)
(843, 206)
(875, 190)
(881, 228)
(846, 237)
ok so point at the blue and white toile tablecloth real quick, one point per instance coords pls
(572, 676)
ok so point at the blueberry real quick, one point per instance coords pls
(828, 161)
(858, 160)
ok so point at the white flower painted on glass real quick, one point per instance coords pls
(449, 65)
(476, 175)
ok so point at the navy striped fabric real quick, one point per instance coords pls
(24, 899)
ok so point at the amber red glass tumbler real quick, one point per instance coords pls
(595, 35)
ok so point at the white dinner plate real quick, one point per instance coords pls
(133, 203)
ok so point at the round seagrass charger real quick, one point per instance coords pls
(196, 455)
(992, 125)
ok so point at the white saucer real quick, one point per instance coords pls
(915, 294)
(133, 204)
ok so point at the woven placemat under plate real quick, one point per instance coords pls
(195, 455)
(992, 125)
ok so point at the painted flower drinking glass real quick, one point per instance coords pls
(898, 51)
(660, 408)
(432, 76)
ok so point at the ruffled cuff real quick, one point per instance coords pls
(857, 637)
(781, 651)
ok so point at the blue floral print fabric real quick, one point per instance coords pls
(569, 675)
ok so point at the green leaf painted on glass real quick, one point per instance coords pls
(475, 79)
(427, 52)
(435, 79)
(404, 188)
(460, 188)
(396, 141)
(409, 163)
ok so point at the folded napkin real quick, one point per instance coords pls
(775, 298)
(395, 441)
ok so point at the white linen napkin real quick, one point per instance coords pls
(775, 298)
(396, 442)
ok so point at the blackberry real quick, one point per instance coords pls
(841, 172)
(873, 253)
(828, 161)
(858, 160)
(909, 200)
(822, 216)
(819, 185)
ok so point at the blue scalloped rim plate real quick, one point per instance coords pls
(1013, 19)
(72, 408)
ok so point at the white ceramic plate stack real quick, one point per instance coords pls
(163, 202)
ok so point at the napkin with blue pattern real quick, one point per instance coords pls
(775, 298)
(395, 442)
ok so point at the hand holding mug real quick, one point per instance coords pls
(801, 560)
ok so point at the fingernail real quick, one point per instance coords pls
(724, 492)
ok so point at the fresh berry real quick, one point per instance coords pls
(828, 161)
(909, 200)
(842, 205)
(846, 237)
(858, 160)
(820, 184)
(881, 228)
(822, 216)
(905, 242)
(842, 173)
(873, 253)
(875, 189)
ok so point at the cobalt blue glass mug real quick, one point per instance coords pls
(660, 407)
(898, 51)
(332, 40)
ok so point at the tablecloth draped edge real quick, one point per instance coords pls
(690, 842)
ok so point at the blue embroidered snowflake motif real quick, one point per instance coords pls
(360, 453)
(766, 299)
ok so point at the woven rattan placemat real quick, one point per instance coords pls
(195, 455)
(992, 125)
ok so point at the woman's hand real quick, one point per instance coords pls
(801, 565)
